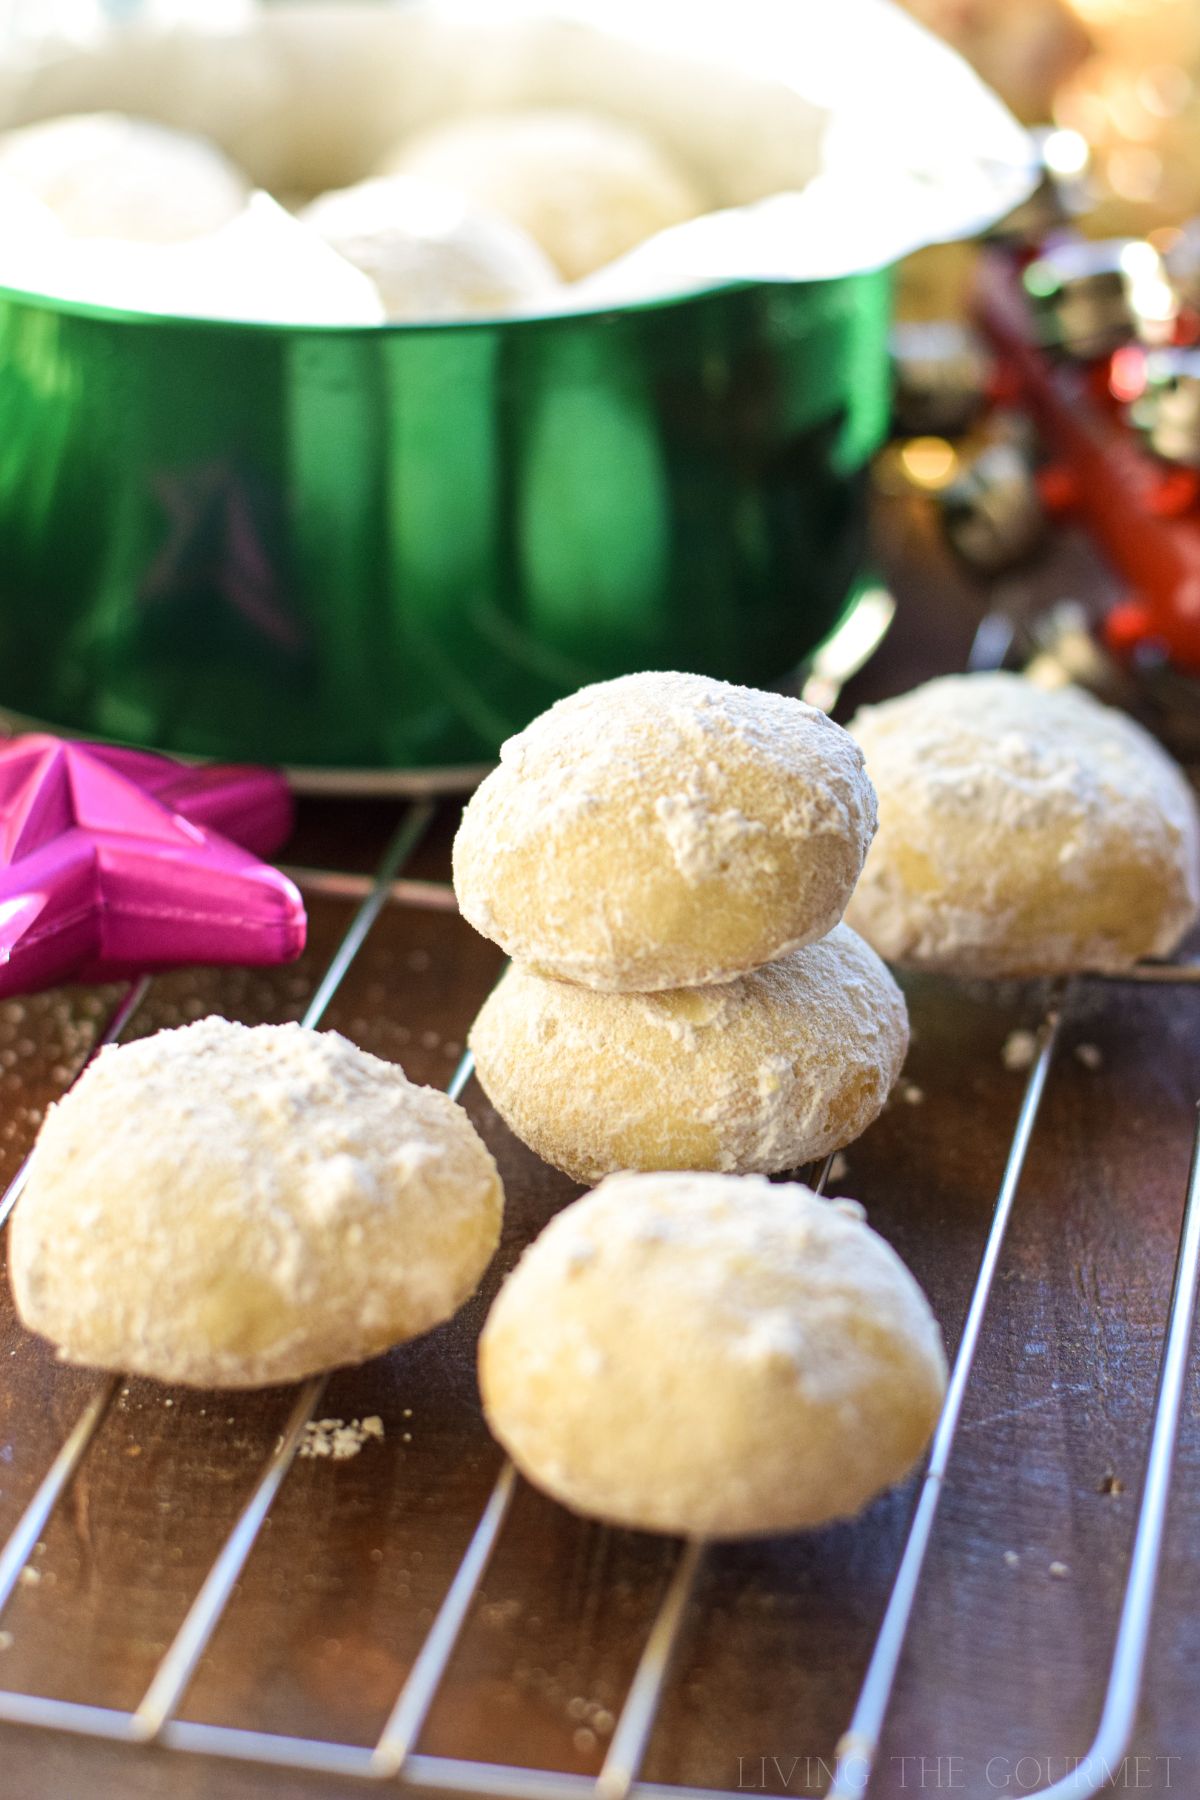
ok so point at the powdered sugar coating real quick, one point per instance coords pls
(665, 830)
(229, 1207)
(429, 255)
(584, 186)
(1022, 832)
(714, 1355)
(762, 1074)
(105, 175)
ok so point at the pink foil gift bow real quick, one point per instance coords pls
(114, 862)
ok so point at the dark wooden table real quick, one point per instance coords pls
(1005, 1666)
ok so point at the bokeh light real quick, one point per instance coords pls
(929, 462)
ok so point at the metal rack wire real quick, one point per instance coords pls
(395, 1755)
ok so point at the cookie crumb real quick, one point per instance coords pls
(6, 1640)
(1090, 1055)
(338, 1440)
(1020, 1048)
(29, 1577)
(911, 1094)
(1012, 1559)
(1110, 1484)
(1059, 1571)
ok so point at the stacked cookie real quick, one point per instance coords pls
(667, 859)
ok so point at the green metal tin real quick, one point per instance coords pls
(388, 547)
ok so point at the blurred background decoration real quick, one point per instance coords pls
(1046, 417)
(1117, 84)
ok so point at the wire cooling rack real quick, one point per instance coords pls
(395, 1756)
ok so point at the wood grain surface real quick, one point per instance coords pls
(1009, 1649)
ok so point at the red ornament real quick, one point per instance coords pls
(1143, 519)
(115, 862)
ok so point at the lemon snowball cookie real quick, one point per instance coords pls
(105, 175)
(711, 1355)
(1022, 832)
(665, 830)
(429, 255)
(587, 188)
(228, 1207)
(760, 1074)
